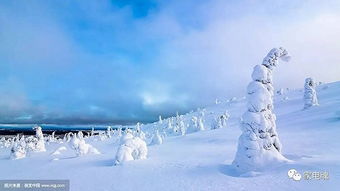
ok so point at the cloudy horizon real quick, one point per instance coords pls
(127, 61)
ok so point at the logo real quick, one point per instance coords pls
(293, 174)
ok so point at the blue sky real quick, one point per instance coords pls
(127, 61)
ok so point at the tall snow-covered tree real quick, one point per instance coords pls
(40, 144)
(310, 97)
(259, 143)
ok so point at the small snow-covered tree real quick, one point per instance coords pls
(176, 128)
(224, 118)
(68, 136)
(108, 131)
(119, 132)
(193, 124)
(92, 131)
(80, 146)
(160, 120)
(200, 124)
(156, 139)
(40, 144)
(139, 132)
(182, 127)
(310, 97)
(217, 123)
(53, 138)
(280, 92)
(259, 144)
(18, 150)
(131, 148)
(221, 121)
(169, 127)
(31, 143)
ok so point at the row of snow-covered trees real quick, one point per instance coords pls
(21, 145)
(76, 142)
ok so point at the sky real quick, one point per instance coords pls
(120, 62)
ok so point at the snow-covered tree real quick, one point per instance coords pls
(119, 131)
(169, 127)
(310, 97)
(200, 124)
(131, 148)
(108, 131)
(224, 118)
(182, 127)
(160, 120)
(40, 144)
(280, 92)
(31, 143)
(193, 124)
(53, 136)
(220, 121)
(68, 136)
(259, 144)
(202, 113)
(139, 132)
(156, 139)
(18, 149)
(217, 124)
(80, 146)
(92, 131)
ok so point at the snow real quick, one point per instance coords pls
(201, 160)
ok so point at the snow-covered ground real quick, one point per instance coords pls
(202, 160)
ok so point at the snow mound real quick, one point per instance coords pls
(131, 148)
(59, 150)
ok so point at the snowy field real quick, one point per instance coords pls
(202, 160)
